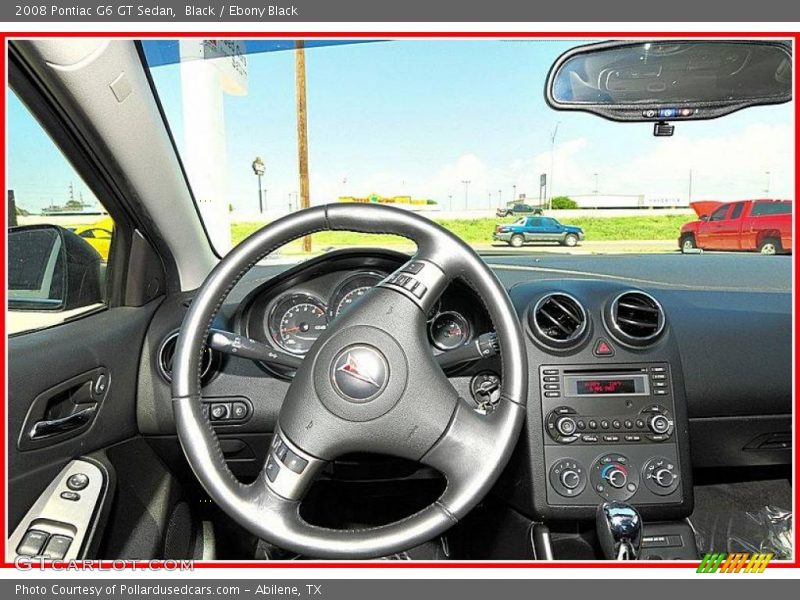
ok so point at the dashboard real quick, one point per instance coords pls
(598, 402)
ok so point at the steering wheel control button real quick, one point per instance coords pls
(613, 478)
(413, 267)
(32, 543)
(360, 373)
(568, 477)
(78, 482)
(57, 546)
(294, 462)
(272, 468)
(660, 475)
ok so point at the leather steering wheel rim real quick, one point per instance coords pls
(412, 412)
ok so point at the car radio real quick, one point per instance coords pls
(610, 433)
(638, 412)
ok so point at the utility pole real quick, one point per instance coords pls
(766, 189)
(466, 183)
(302, 131)
(596, 187)
(690, 185)
(500, 197)
(552, 163)
(514, 193)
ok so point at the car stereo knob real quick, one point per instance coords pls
(658, 424)
(566, 426)
(570, 479)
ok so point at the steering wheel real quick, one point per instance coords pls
(369, 384)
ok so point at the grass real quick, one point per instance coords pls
(479, 231)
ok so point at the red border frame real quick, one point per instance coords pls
(4, 36)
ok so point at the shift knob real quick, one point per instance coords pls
(619, 530)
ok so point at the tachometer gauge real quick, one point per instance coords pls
(351, 290)
(296, 322)
(449, 330)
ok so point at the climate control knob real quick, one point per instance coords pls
(570, 479)
(615, 475)
(614, 478)
(661, 475)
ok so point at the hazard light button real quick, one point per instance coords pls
(602, 348)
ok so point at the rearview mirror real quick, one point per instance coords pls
(670, 80)
(51, 269)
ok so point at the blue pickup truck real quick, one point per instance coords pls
(537, 229)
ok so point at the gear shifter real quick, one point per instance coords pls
(619, 529)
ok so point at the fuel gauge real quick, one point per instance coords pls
(449, 330)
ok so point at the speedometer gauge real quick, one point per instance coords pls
(351, 290)
(296, 322)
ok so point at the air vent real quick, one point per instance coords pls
(636, 318)
(166, 353)
(558, 320)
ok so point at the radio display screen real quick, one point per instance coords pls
(590, 387)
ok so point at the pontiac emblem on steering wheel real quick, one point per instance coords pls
(360, 373)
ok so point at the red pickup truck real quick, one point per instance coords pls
(762, 225)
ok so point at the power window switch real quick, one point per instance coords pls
(57, 547)
(32, 543)
(71, 496)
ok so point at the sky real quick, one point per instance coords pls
(419, 117)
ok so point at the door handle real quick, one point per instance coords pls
(46, 428)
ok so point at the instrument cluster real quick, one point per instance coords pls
(291, 314)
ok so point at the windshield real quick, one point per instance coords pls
(458, 131)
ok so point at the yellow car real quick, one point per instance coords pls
(98, 235)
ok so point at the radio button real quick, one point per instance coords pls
(658, 369)
(592, 424)
(604, 424)
(659, 437)
(660, 392)
(633, 438)
(659, 384)
(616, 424)
(564, 410)
(611, 438)
(551, 394)
(639, 424)
(656, 376)
(628, 424)
(550, 371)
(589, 438)
(550, 379)
(581, 425)
(550, 386)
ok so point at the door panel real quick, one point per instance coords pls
(44, 365)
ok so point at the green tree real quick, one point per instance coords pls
(563, 203)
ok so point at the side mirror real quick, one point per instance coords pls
(51, 269)
(704, 217)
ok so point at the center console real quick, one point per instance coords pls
(610, 434)
(607, 418)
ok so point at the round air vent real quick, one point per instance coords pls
(636, 318)
(166, 353)
(558, 320)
